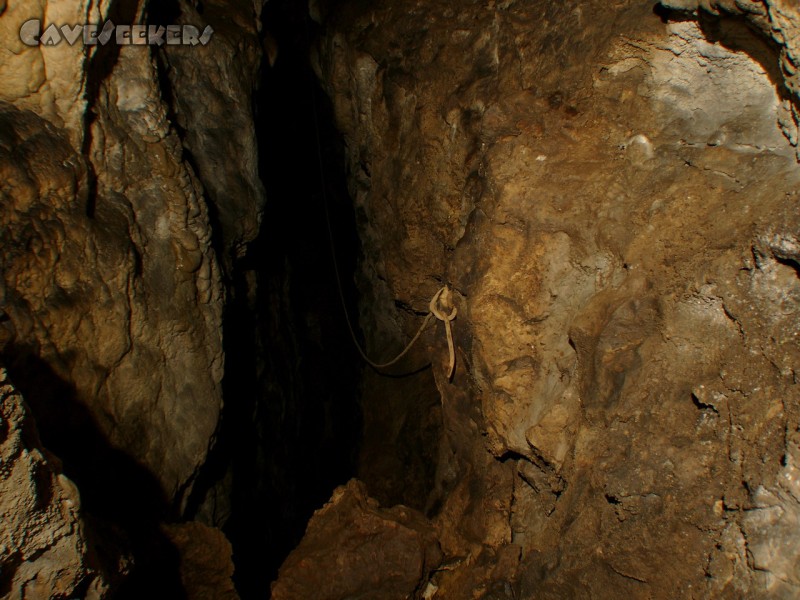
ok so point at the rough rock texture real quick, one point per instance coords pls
(104, 281)
(611, 192)
(778, 20)
(49, 82)
(205, 561)
(109, 271)
(212, 95)
(43, 548)
(355, 549)
(117, 220)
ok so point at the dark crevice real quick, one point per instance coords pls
(702, 405)
(291, 425)
(82, 589)
(789, 262)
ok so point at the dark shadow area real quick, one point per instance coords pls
(671, 14)
(291, 424)
(122, 503)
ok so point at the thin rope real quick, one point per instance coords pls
(443, 294)
(432, 312)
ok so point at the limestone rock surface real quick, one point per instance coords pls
(44, 551)
(111, 283)
(212, 99)
(353, 548)
(119, 211)
(205, 561)
(611, 193)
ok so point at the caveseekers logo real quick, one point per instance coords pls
(94, 34)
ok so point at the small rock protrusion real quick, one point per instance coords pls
(638, 149)
(718, 138)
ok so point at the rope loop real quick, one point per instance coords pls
(441, 302)
(444, 298)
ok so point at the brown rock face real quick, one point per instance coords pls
(115, 227)
(43, 548)
(110, 284)
(205, 561)
(355, 549)
(611, 192)
(212, 101)
(88, 273)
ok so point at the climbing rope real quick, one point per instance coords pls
(446, 299)
(440, 304)
(442, 299)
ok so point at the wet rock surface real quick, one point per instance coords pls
(611, 192)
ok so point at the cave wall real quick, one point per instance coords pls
(120, 221)
(45, 551)
(610, 191)
(111, 277)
